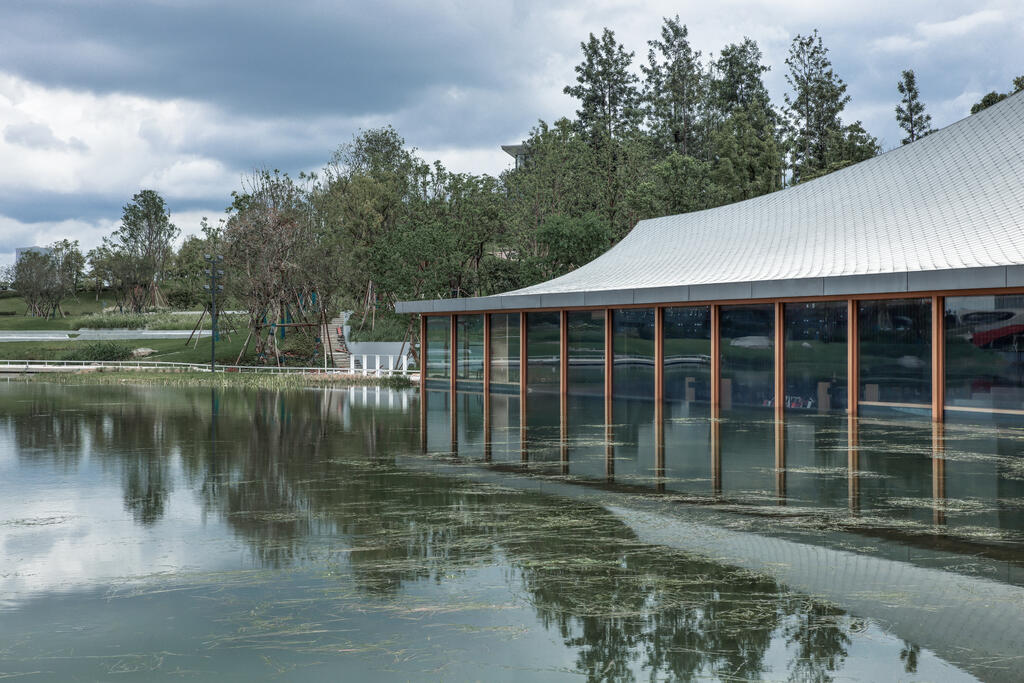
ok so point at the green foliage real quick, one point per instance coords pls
(817, 139)
(674, 90)
(99, 350)
(382, 326)
(993, 97)
(606, 88)
(910, 112)
(567, 243)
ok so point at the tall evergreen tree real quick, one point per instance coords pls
(674, 90)
(818, 142)
(606, 89)
(747, 148)
(910, 112)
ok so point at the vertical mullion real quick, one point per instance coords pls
(780, 360)
(659, 359)
(423, 383)
(453, 355)
(852, 357)
(487, 386)
(522, 385)
(938, 358)
(716, 361)
(563, 354)
(609, 365)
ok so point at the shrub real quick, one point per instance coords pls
(99, 350)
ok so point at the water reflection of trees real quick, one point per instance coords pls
(297, 486)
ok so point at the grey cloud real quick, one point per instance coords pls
(40, 136)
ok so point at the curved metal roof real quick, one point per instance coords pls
(946, 212)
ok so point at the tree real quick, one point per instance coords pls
(46, 278)
(910, 112)
(993, 97)
(745, 143)
(606, 89)
(145, 239)
(818, 97)
(674, 90)
(569, 243)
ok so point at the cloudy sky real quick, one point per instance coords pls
(99, 99)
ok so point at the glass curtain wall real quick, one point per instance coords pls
(895, 352)
(542, 351)
(633, 344)
(469, 349)
(439, 350)
(748, 360)
(816, 356)
(985, 352)
(504, 351)
(586, 352)
(687, 344)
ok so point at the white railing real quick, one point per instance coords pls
(71, 365)
(360, 364)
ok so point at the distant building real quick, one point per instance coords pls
(18, 252)
(517, 152)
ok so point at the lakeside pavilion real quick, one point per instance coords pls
(895, 285)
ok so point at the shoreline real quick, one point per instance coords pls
(183, 378)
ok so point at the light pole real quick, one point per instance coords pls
(215, 273)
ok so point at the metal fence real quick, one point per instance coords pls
(379, 366)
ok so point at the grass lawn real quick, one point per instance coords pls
(166, 349)
(85, 311)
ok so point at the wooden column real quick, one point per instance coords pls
(659, 398)
(454, 355)
(659, 360)
(852, 357)
(716, 361)
(487, 386)
(423, 354)
(453, 393)
(780, 361)
(563, 384)
(423, 383)
(524, 454)
(487, 355)
(938, 358)
(609, 366)
(563, 354)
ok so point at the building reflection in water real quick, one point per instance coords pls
(866, 471)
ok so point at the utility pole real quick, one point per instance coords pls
(215, 273)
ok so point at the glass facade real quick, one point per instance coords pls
(895, 352)
(439, 350)
(542, 351)
(748, 359)
(585, 337)
(816, 356)
(984, 347)
(687, 346)
(633, 344)
(985, 352)
(469, 347)
(504, 349)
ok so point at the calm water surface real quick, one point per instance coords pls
(331, 534)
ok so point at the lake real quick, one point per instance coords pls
(359, 534)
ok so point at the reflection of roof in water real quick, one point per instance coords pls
(953, 200)
(972, 622)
